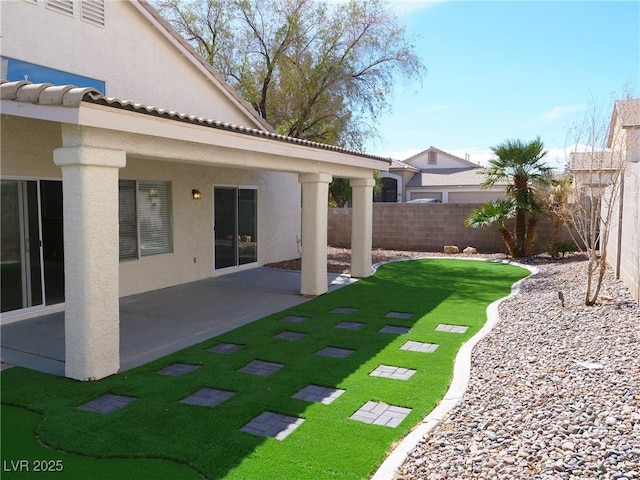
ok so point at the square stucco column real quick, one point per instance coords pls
(91, 265)
(361, 226)
(315, 196)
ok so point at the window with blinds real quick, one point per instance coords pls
(145, 218)
(127, 219)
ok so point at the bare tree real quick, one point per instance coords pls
(597, 163)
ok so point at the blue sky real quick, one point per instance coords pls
(508, 69)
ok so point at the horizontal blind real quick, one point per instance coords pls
(127, 219)
(154, 210)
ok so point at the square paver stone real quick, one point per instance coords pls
(226, 348)
(344, 310)
(316, 393)
(443, 327)
(376, 413)
(208, 397)
(421, 347)
(350, 325)
(395, 373)
(294, 319)
(261, 368)
(273, 425)
(402, 315)
(395, 330)
(178, 369)
(334, 352)
(106, 404)
(291, 336)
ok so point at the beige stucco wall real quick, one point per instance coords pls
(623, 250)
(475, 196)
(26, 150)
(134, 59)
(443, 160)
(630, 241)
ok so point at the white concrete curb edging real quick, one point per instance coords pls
(459, 382)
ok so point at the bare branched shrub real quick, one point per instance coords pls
(597, 164)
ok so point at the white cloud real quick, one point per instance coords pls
(557, 112)
(477, 155)
(432, 109)
(400, 154)
(407, 7)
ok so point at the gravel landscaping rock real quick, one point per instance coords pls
(554, 391)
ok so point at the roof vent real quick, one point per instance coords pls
(61, 6)
(93, 12)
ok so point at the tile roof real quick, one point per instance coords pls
(72, 96)
(400, 164)
(629, 111)
(438, 177)
(442, 152)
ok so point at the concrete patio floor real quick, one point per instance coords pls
(157, 323)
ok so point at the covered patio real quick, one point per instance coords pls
(157, 323)
(96, 140)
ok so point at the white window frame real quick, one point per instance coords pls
(139, 213)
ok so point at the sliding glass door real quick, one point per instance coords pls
(235, 226)
(31, 247)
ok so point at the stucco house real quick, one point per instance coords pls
(439, 175)
(129, 165)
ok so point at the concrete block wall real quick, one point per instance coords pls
(629, 260)
(426, 227)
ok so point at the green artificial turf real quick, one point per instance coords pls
(328, 444)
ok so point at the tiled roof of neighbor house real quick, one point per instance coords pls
(72, 96)
(629, 111)
(400, 164)
(439, 177)
(434, 149)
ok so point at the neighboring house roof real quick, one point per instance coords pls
(399, 164)
(440, 177)
(442, 152)
(627, 112)
(71, 96)
(152, 15)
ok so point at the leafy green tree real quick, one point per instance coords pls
(340, 190)
(520, 164)
(314, 69)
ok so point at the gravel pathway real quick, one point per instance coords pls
(554, 391)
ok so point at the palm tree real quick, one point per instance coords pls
(521, 165)
(496, 212)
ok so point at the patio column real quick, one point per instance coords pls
(91, 265)
(315, 195)
(361, 226)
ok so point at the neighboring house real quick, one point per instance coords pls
(594, 170)
(436, 174)
(103, 197)
(623, 253)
